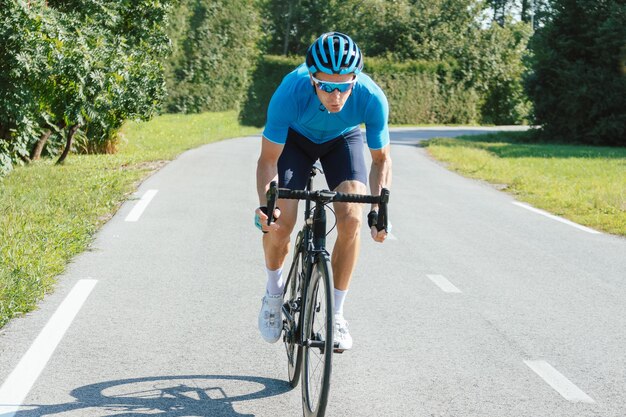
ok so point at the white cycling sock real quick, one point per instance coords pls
(275, 283)
(340, 297)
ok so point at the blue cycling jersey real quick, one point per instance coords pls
(295, 105)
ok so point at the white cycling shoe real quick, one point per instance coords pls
(271, 317)
(341, 334)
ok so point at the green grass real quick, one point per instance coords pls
(582, 183)
(50, 213)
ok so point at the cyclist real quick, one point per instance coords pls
(315, 113)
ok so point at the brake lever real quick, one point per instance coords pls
(272, 196)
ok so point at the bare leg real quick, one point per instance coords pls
(346, 249)
(276, 243)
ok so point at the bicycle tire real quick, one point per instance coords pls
(292, 302)
(318, 327)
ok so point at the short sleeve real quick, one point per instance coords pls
(279, 115)
(376, 121)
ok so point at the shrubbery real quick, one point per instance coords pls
(76, 66)
(418, 91)
(214, 48)
(424, 91)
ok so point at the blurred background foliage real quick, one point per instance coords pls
(73, 71)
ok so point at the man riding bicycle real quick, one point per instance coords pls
(314, 114)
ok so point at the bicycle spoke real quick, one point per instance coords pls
(318, 352)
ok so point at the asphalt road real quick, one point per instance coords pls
(476, 307)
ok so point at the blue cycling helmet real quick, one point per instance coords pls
(334, 53)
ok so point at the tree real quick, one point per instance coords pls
(500, 10)
(488, 60)
(494, 67)
(283, 21)
(25, 45)
(290, 26)
(576, 80)
(76, 66)
(123, 43)
(528, 11)
(404, 29)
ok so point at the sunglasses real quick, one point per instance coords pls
(329, 87)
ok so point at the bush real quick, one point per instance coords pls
(268, 73)
(214, 51)
(422, 92)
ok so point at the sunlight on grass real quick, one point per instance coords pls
(168, 135)
(584, 184)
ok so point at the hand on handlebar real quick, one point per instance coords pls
(260, 219)
(379, 235)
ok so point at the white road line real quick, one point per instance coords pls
(557, 218)
(556, 380)
(20, 381)
(443, 283)
(141, 205)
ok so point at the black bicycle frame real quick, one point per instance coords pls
(314, 231)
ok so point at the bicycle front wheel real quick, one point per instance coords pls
(318, 347)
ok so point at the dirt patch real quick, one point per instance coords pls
(141, 166)
(146, 166)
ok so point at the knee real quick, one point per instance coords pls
(282, 235)
(349, 225)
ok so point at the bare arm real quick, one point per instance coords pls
(380, 173)
(380, 177)
(266, 172)
(267, 167)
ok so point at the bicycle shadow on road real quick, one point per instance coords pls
(171, 396)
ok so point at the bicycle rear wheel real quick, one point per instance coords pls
(292, 303)
(318, 348)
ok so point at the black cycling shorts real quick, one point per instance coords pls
(342, 159)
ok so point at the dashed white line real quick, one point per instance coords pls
(443, 283)
(141, 205)
(560, 383)
(20, 381)
(557, 218)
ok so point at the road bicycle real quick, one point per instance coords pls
(308, 302)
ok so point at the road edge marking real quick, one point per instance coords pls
(557, 218)
(19, 382)
(141, 205)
